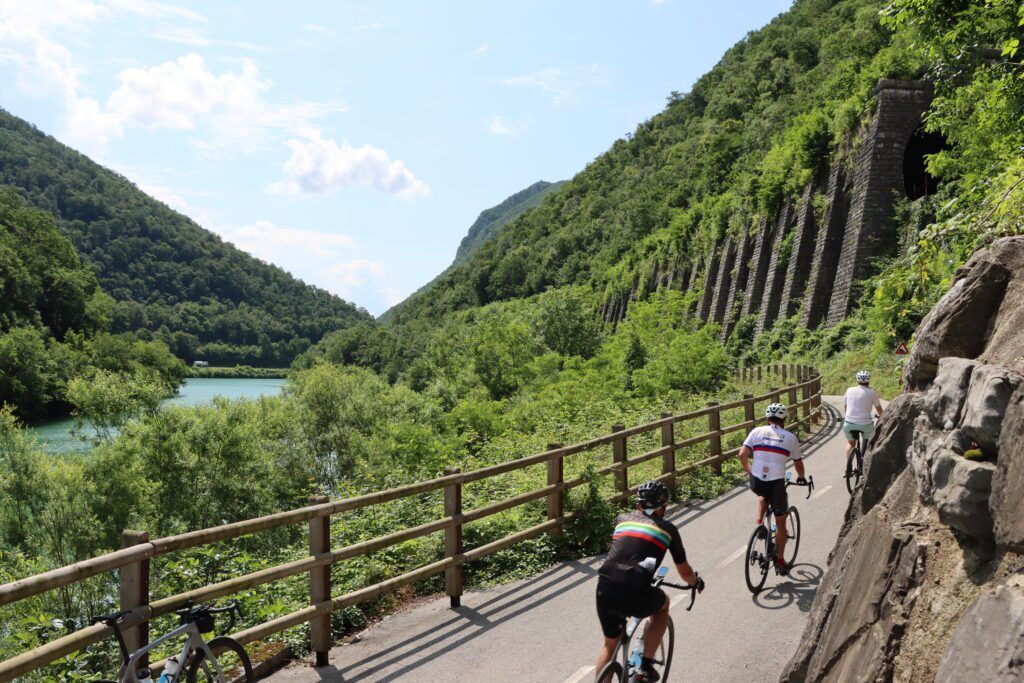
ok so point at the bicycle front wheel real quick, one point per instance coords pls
(232, 660)
(662, 656)
(611, 673)
(758, 559)
(792, 536)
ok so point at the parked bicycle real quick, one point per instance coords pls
(631, 644)
(220, 660)
(761, 547)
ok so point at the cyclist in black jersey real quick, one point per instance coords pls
(639, 543)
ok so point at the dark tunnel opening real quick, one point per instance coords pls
(917, 182)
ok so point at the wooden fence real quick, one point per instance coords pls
(132, 560)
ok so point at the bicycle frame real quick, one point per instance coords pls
(194, 643)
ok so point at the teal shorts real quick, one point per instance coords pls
(849, 427)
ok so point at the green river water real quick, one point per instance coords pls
(55, 435)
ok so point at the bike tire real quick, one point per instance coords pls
(664, 653)
(611, 673)
(852, 475)
(220, 646)
(754, 566)
(792, 535)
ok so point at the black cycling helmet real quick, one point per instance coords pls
(653, 494)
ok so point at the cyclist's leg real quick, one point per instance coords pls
(762, 503)
(851, 439)
(613, 620)
(780, 507)
(657, 624)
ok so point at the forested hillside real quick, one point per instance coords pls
(172, 280)
(54, 320)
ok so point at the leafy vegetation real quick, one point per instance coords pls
(54, 320)
(171, 280)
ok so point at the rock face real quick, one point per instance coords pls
(926, 581)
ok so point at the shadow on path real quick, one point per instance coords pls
(799, 587)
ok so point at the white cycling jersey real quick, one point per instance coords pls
(773, 447)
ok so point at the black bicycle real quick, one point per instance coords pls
(855, 461)
(631, 644)
(220, 660)
(761, 547)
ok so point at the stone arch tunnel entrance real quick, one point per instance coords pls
(917, 182)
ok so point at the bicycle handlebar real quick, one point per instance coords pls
(809, 485)
(692, 589)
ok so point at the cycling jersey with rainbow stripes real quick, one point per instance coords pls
(637, 537)
(773, 447)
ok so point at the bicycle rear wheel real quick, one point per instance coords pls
(792, 536)
(853, 468)
(232, 660)
(758, 559)
(662, 656)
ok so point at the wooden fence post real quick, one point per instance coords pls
(748, 408)
(792, 402)
(805, 398)
(668, 460)
(320, 583)
(556, 475)
(784, 373)
(134, 591)
(715, 441)
(619, 456)
(453, 538)
(817, 398)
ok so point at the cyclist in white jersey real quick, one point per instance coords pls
(857, 406)
(772, 447)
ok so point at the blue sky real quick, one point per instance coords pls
(353, 143)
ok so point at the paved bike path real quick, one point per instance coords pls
(545, 628)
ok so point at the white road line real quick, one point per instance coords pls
(732, 557)
(580, 675)
(822, 492)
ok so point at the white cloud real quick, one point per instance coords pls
(233, 108)
(319, 166)
(484, 47)
(371, 26)
(497, 125)
(320, 258)
(564, 86)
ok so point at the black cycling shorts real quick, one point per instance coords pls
(618, 601)
(774, 491)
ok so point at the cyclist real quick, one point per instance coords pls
(772, 447)
(624, 588)
(857, 406)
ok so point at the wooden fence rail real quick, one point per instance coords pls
(132, 561)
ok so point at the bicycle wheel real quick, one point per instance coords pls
(852, 470)
(662, 656)
(758, 559)
(231, 658)
(792, 536)
(611, 673)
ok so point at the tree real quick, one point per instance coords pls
(107, 401)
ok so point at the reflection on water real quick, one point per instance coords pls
(55, 436)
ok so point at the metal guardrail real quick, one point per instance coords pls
(132, 560)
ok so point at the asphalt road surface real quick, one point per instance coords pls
(545, 628)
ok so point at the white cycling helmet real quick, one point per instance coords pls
(775, 410)
(863, 377)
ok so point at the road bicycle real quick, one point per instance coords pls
(855, 460)
(761, 547)
(631, 643)
(220, 660)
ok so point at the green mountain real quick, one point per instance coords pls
(172, 280)
(492, 220)
(486, 226)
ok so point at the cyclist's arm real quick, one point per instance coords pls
(686, 572)
(878, 406)
(799, 465)
(745, 453)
